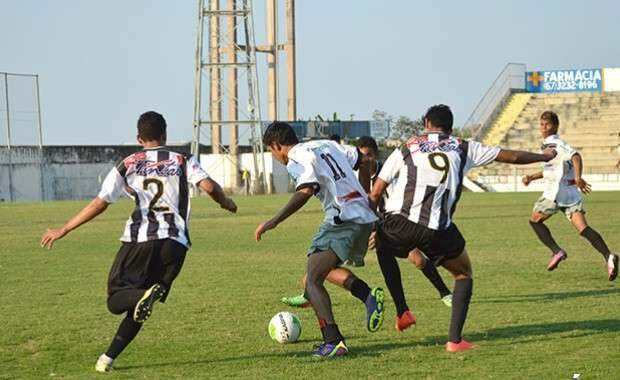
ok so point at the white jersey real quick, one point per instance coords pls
(328, 167)
(426, 175)
(157, 179)
(558, 174)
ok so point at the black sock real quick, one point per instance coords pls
(430, 271)
(331, 333)
(391, 274)
(544, 235)
(124, 335)
(596, 240)
(358, 288)
(460, 305)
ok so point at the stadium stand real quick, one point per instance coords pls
(590, 122)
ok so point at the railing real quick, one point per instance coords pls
(511, 79)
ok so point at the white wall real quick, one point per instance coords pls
(611, 79)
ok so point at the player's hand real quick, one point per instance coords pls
(372, 240)
(229, 205)
(526, 180)
(583, 186)
(262, 228)
(550, 154)
(51, 235)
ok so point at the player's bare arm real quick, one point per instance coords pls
(217, 194)
(377, 192)
(297, 201)
(94, 208)
(578, 168)
(520, 157)
(531, 177)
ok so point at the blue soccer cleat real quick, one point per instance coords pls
(374, 309)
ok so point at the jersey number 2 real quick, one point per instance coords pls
(445, 168)
(160, 191)
(329, 160)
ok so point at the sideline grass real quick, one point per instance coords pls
(530, 323)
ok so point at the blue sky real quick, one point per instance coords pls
(103, 63)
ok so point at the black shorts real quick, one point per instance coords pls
(398, 236)
(141, 265)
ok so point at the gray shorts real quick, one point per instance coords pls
(549, 207)
(348, 240)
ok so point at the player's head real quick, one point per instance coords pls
(438, 117)
(279, 137)
(368, 146)
(549, 123)
(335, 137)
(151, 128)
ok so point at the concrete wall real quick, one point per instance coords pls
(32, 174)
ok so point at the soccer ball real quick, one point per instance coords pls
(285, 327)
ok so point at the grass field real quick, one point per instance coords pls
(530, 324)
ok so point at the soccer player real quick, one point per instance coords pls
(563, 181)
(367, 174)
(156, 235)
(427, 178)
(323, 168)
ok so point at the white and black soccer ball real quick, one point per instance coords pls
(285, 327)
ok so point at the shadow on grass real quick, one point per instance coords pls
(515, 332)
(545, 297)
(523, 333)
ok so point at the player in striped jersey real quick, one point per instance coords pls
(156, 236)
(563, 183)
(365, 151)
(323, 168)
(427, 178)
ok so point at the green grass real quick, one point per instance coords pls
(530, 323)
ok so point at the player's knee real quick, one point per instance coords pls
(536, 219)
(113, 308)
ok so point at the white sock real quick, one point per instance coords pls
(105, 358)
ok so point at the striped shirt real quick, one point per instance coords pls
(327, 167)
(559, 175)
(157, 180)
(426, 177)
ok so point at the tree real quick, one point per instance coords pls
(404, 127)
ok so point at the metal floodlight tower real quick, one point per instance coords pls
(227, 58)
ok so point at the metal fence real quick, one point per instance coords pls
(511, 79)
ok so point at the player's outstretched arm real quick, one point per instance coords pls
(531, 177)
(94, 208)
(578, 168)
(217, 194)
(297, 201)
(520, 157)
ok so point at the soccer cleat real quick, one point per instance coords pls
(612, 266)
(144, 307)
(447, 300)
(330, 350)
(104, 363)
(460, 346)
(374, 309)
(406, 320)
(555, 260)
(296, 301)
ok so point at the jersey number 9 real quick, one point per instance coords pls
(443, 165)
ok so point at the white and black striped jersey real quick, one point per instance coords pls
(328, 168)
(559, 175)
(157, 179)
(426, 177)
